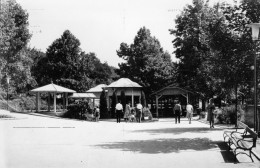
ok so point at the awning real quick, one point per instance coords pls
(82, 95)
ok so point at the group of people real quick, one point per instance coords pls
(95, 115)
(131, 113)
(136, 113)
(177, 110)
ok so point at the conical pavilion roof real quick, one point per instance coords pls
(124, 82)
(53, 88)
(97, 88)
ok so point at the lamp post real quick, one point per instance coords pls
(7, 80)
(255, 33)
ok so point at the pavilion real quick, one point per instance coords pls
(164, 99)
(97, 90)
(52, 89)
(132, 90)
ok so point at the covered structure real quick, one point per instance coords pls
(164, 99)
(97, 90)
(52, 89)
(84, 96)
(133, 90)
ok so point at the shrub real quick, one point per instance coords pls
(77, 110)
(103, 105)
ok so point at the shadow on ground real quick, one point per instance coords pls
(178, 130)
(171, 146)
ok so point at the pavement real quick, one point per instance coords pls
(31, 141)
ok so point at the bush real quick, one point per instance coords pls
(2, 95)
(77, 110)
(103, 105)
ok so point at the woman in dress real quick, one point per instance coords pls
(127, 111)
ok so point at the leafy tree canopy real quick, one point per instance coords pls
(145, 62)
(14, 37)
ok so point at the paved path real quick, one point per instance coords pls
(43, 142)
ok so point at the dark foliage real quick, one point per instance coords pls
(77, 110)
(103, 105)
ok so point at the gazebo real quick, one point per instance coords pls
(132, 89)
(171, 93)
(97, 92)
(52, 88)
(82, 95)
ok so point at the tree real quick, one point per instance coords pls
(113, 104)
(145, 62)
(103, 105)
(143, 99)
(62, 61)
(214, 47)
(192, 47)
(14, 38)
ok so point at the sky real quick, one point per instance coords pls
(101, 25)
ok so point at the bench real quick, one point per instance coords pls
(244, 140)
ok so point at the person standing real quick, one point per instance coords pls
(211, 108)
(139, 108)
(97, 114)
(119, 110)
(177, 112)
(189, 109)
(127, 112)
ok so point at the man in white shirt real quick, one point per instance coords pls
(139, 108)
(119, 110)
(189, 109)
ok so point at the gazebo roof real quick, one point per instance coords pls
(171, 90)
(124, 83)
(97, 88)
(83, 95)
(53, 88)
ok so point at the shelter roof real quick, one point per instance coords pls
(82, 95)
(97, 88)
(171, 90)
(53, 88)
(124, 83)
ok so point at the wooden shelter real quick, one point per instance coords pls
(52, 89)
(83, 95)
(171, 93)
(132, 90)
(97, 90)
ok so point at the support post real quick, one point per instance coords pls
(49, 101)
(132, 97)
(54, 102)
(38, 101)
(255, 92)
(63, 102)
(66, 95)
(156, 102)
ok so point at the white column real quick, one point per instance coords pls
(63, 101)
(66, 95)
(54, 103)
(49, 101)
(38, 103)
(132, 97)
(156, 102)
